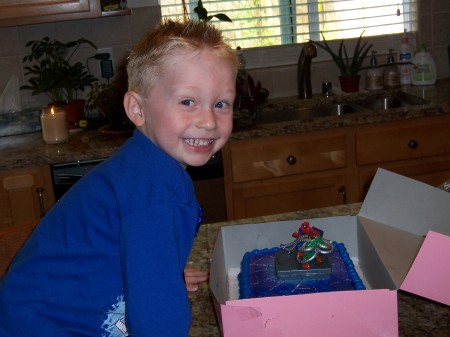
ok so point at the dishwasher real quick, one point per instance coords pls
(65, 175)
(207, 179)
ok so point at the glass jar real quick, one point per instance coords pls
(54, 125)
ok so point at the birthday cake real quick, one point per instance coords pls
(309, 264)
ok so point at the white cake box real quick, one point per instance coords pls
(384, 240)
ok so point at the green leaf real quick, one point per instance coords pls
(223, 17)
(201, 11)
(347, 66)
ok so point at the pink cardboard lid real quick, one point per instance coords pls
(369, 313)
(429, 275)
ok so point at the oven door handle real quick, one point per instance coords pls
(68, 178)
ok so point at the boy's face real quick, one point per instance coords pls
(189, 112)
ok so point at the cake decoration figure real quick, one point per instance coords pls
(310, 248)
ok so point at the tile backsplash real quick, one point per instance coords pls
(121, 32)
(117, 32)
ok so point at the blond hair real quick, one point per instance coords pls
(169, 37)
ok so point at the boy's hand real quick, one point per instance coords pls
(194, 276)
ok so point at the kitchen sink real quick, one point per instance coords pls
(328, 110)
(398, 100)
(383, 101)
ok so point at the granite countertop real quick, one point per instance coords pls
(28, 149)
(438, 98)
(417, 316)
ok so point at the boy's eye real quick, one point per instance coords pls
(187, 102)
(221, 105)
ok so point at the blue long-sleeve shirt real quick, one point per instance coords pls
(108, 259)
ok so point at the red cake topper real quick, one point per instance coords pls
(310, 244)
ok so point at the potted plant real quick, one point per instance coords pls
(107, 99)
(349, 67)
(53, 74)
(202, 13)
(251, 99)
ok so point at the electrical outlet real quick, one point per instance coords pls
(104, 68)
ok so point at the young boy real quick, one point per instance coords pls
(108, 259)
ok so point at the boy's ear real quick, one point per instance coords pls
(134, 108)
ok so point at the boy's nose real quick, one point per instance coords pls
(207, 119)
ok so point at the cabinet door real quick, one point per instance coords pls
(13, 13)
(25, 195)
(287, 155)
(403, 140)
(432, 171)
(287, 194)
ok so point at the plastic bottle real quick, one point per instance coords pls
(405, 54)
(374, 76)
(391, 74)
(424, 70)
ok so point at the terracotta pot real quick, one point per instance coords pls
(350, 84)
(74, 112)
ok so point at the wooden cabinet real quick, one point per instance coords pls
(287, 194)
(419, 149)
(25, 12)
(326, 168)
(285, 173)
(25, 195)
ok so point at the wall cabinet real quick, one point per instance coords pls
(326, 168)
(25, 12)
(25, 195)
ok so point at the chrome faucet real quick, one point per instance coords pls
(309, 51)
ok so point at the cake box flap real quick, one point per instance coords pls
(407, 204)
(402, 211)
(429, 275)
(386, 253)
(370, 313)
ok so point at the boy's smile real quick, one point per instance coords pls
(189, 111)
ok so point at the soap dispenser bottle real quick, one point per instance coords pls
(391, 74)
(374, 75)
(424, 71)
(405, 55)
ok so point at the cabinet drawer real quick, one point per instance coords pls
(394, 142)
(287, 155)
(288, 194)
(432, 171)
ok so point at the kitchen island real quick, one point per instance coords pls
(417, 316)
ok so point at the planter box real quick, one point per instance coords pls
(383, 240)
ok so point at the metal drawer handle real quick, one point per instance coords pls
(40, 193)
(344, 194)
(291, 160)
(413, 144)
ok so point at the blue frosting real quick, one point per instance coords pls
(258, 276)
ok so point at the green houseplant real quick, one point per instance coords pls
(52, 72)
(202, 13)
(349, 66)
(107, 99)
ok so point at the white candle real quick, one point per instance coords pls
(54, 125)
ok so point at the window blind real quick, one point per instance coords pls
(261, 23)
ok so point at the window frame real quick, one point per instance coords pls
(287, 55)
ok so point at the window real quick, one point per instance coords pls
(263, 23)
